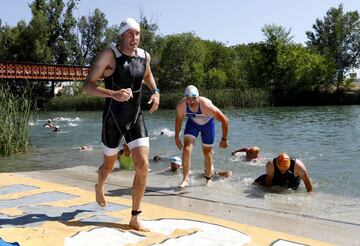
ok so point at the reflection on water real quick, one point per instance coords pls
(326, 139)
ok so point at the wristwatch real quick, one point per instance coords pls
(156, 90)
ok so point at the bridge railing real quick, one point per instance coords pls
(16, 70)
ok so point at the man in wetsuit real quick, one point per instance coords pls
(201, 115)
(124, 68)
(285, 172)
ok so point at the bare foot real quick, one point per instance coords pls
(184, 183)
(136, 225)
(100, 198)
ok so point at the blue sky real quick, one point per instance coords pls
(228, 21)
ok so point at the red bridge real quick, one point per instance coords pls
(17, 70)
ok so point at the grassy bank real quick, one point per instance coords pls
(78, 102)
(14, 129)
(222, 98)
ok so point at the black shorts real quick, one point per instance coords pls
(113, 130)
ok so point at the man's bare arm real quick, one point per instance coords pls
(269, 173)
(149, 80)
(240, 150)
(215, 112)
(180, 114)
(103, 66)
(302, 172)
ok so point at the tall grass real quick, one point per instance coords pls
(223, 98)
(79, 102)
(241, 98)
(14, 118)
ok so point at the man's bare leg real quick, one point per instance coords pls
(103, 173)
(207, 151)
(140, 155)
(186, 160)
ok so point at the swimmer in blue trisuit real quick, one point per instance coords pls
(124, 67)
(285, 172)
(201, 115)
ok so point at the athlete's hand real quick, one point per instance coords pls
(155, 100)
(223, 144)
(178, 143)
(122, 95)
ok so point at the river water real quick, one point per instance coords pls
(326, 139)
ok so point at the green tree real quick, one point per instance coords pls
(215, 78)
(250, 66)
(303, 70)
(221, 60)
(48, 38)
(280, 65)
(260, 61)
(51, 32)
(149, 37)
(337, 37)
(68, 49)
(182, 61)
(92, 36)
(151, 42)
(13, 42)
(277, 38)
(112, 35)
(40, 34)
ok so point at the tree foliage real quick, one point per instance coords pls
(277, 64)
(221, 66)
(50, 35)
(182, 61)
(151, 42)
(337, 37)
(92, 35)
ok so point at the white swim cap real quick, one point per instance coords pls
(176, 160)
(191, 91)
(128, 23)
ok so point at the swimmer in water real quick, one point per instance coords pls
(251, 153)
(285, 172)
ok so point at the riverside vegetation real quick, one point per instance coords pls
(278, 66)
(276, 71)
(15, 113)
(223, 98)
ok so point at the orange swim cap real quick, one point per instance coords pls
(283, 161)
